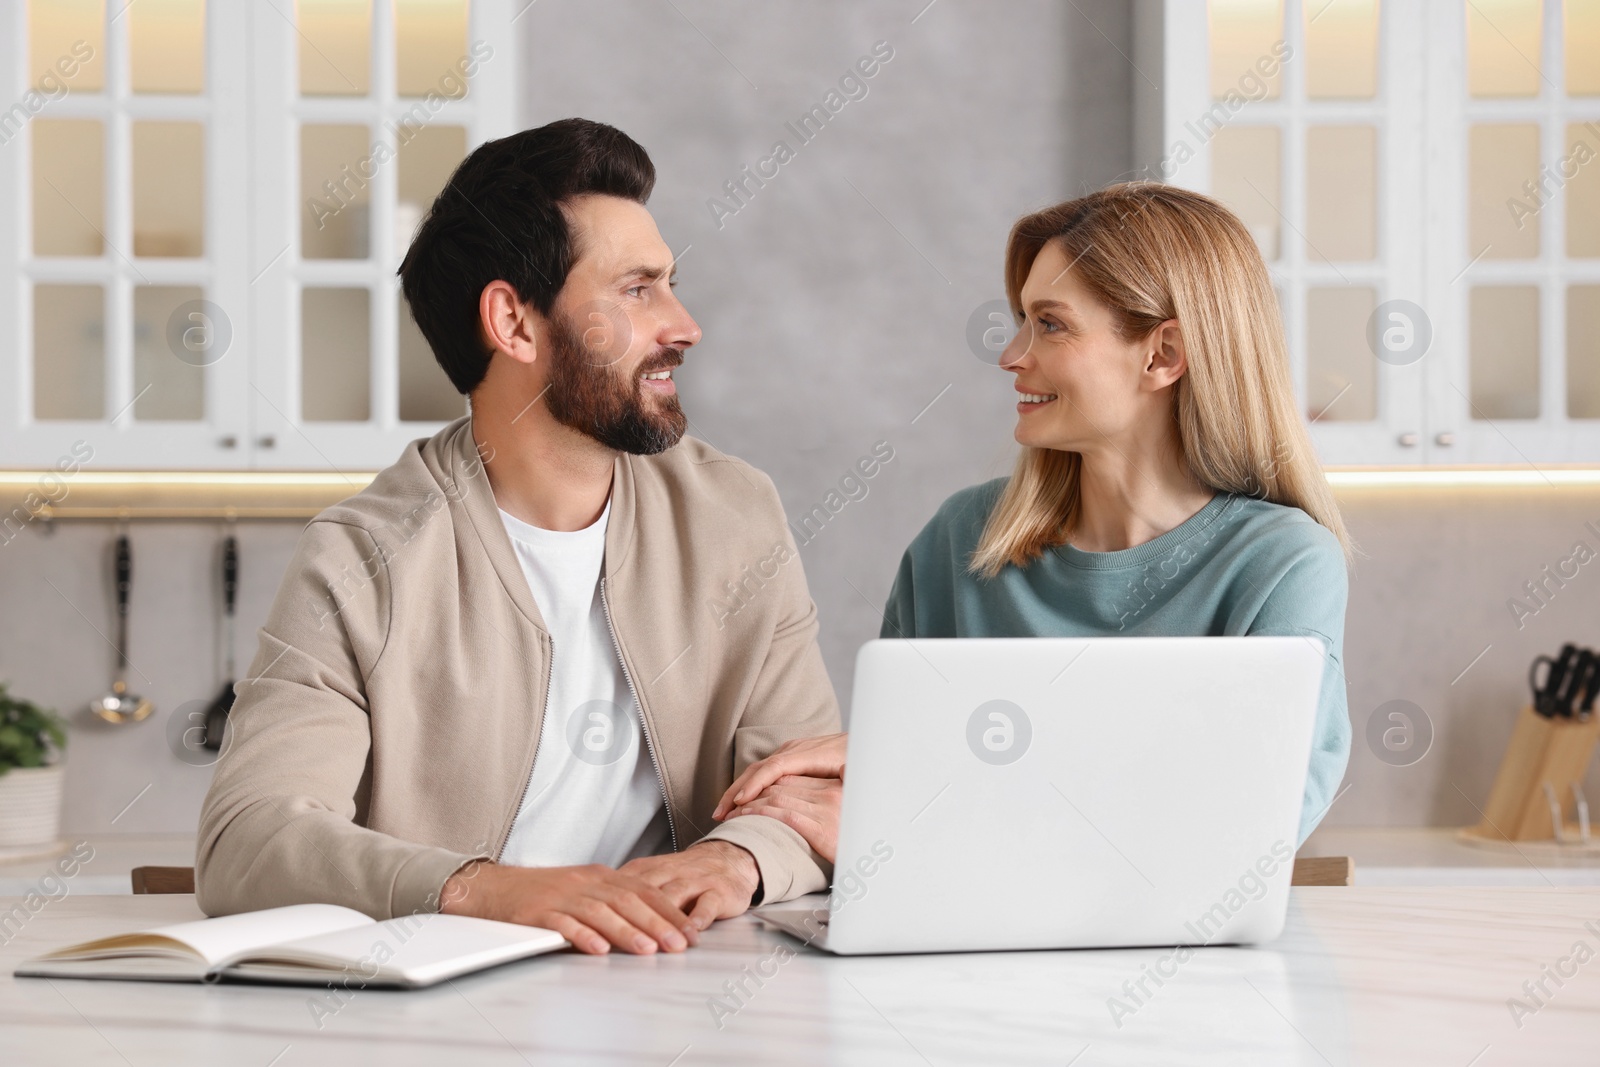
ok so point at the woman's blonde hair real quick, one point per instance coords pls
(1151, 253)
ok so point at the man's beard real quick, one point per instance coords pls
(608, 406)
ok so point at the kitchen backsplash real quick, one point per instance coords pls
(1434, 619)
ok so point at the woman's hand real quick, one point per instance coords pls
(809, 806)
(817, 757)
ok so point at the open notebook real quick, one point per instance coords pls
(303, 944)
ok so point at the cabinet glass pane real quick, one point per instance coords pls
(335, 355)
(1503, 47)
(69, 182)
(1502, 157)
(430, 38)
(1583, 188)
(1580, 26)
(1505, 352)
(426, 394)
(1583, 352)
(177, 388)
(167, 46)
(335, 213)
(1243, 33)
(1245, 175)
(335, 46)
(1341, 193)
(69, 352)
(168, 189)
(1341, 48)
(1341, 371)
(66, 40)
(428, 155)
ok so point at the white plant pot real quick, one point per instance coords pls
(30, 805)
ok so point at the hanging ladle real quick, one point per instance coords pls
(120, 705)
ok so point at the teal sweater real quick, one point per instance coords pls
(1239, 565)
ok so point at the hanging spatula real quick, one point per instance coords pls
(217, 712)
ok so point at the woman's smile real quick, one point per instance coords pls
(1032, 401)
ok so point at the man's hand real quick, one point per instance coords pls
(818, 757)
(716, 878)
(593, 907)
(809, 806)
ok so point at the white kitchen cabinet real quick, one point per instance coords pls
(1437, 152)
(205, 205)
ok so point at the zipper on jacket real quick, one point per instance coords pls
(527, 779)
(644, 727)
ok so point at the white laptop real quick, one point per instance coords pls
(1039, 793)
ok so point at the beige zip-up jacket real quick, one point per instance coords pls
(386, 730)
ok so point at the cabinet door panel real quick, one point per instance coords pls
(1471, 128)
(343, 379)
(127, 326)
(1515, 243)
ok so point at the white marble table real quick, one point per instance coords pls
(1386, 975)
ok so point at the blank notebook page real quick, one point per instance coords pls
(420, 947)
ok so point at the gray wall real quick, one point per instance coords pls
(833, 315)
(835, 302)
(1431, 596)
(55, 649)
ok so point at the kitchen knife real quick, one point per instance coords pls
(1564, 690)
(1541, 702)
(1544, 696)
(1591, 687)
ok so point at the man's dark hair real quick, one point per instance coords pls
(499, 217)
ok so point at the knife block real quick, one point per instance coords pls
(1542, 750)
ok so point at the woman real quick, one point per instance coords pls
(1166, 486)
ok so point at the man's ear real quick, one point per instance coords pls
(508, 325)
(1167, 360)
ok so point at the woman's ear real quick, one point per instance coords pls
(1166, 360)
(508, 325)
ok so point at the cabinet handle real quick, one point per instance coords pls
(1409, 439)
(267, 441)
(1445, 438)
(228, 441)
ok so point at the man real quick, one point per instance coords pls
(513, 676)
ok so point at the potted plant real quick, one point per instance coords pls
(32, 740)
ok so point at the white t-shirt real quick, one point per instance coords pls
(593, 796)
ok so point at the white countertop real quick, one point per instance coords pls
(108, 870)
(1385, 975)
(1402, 856)
(1436, 856)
